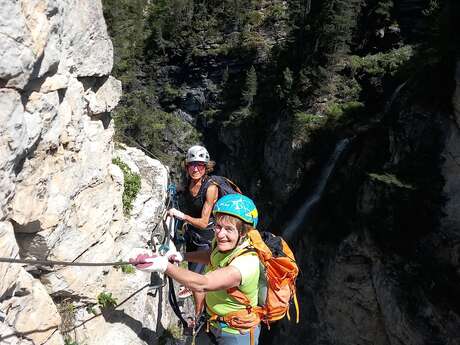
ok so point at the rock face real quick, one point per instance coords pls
(379, 260)
(61, 196)
(451, 167)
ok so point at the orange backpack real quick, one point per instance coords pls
(280, 271)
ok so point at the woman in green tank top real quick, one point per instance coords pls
(230, 264)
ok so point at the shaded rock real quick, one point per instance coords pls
(14, 142)
(105, 98)
(194, 101)
(24, 300)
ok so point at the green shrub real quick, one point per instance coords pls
(304, 124)
(155, 130)
(126, 268)
(276, 12)
(106, 300)
(381, 64)
(308, 119)
(68, 341)
(170, 93)
(210, 114)
(383, 9)
(253, 41)
(344, 112)
(132, 185)
(390, 179)
(334, 111)
(90, 309)
(255, 18)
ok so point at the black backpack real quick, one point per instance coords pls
(224, 185)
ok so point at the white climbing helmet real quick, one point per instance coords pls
(197, 153)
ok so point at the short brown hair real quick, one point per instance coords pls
(210, 167)
(241, 226)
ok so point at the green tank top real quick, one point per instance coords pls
(219, 302)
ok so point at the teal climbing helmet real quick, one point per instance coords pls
(239, 206)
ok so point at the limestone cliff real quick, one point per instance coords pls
(60, 194)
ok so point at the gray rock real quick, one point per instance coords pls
(86, 47)
(17, 55)
(194, 101)
(184, 116)
(24, 299)
(105, 98)
(13, 143)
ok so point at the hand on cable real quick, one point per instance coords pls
(174, 256)
(136, 252)
(150, 263)
(176, 213)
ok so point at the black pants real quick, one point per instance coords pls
(197, 240)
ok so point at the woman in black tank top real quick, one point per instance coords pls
(199, 200)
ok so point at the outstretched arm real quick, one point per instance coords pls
(220, 279)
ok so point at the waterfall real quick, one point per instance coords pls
(393, 97)
(313, 199)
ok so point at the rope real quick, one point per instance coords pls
(65, 263)
(174, 304)
(139, 146)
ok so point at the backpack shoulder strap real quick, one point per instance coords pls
(207, 181)
(233, 185)
(224, 185)
(243, 252)
(234, 292)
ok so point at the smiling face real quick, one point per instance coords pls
(196, 170)
(227, 232)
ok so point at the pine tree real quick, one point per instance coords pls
(339, 20)
(250, 87)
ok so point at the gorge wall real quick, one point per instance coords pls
(379, 258)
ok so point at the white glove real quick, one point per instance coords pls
(176, 213)
(150, 263)
(174, 256)
(136, 251)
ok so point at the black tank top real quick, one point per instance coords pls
(193, 206)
